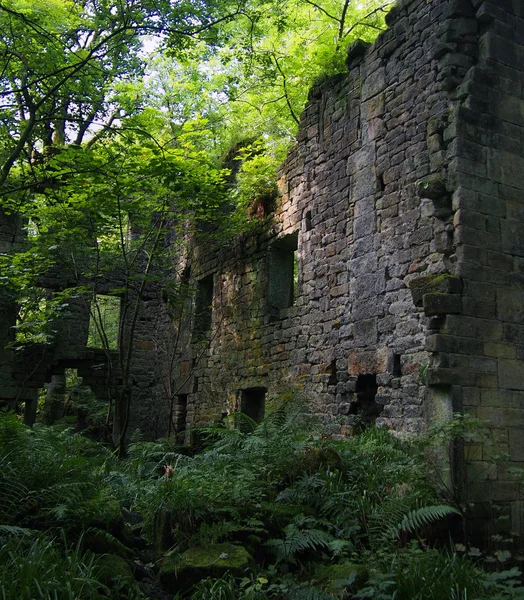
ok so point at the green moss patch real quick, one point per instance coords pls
(114, 571)
(335, 578)
(442, 283)
(197, 563)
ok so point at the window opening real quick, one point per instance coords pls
(253, 404)
(54, 398)
(180, 413)
(366, 406)
(104, 322)
(283, 272)
(186, 275)
(309, 225)
(203, 305)
(332, 373)
(397, 366)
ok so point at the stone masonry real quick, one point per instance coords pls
(403, 201)
(388, 284)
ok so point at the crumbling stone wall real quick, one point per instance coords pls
(24, 371)
(403, 198)
(402, 201)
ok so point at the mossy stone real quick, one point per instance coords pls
(114, 571)
(333, 578)
(441, 283)
(434, 189)
(184, 570)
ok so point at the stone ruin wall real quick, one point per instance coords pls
(404, 199)
(405, 193)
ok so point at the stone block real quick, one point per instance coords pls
(489, 11)
(510, 305)
(512, 237)
(374, 84)
(505, 167)
(362, 362)
(442, 283)
(516, 444)
(356, 52)
(445, 376)
(511, 374)
(481, 471)
(374, 107)
(501, 50)
(441, 304)
(499, 350)
(473, 452)
(365, 332)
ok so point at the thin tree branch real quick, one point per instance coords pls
(284, 85)
(321, 9)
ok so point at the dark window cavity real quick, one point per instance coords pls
(203, 305)
(309, 225)
(397, 365)
(366, 406)
(252, 403)
(180, 413)
(283, 272)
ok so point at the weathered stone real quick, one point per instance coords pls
(356, 51)
(180, 572)
(442, 283)
(441, 304)
(511, 374)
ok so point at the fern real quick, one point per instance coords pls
(394, 517)
(420, 517)
(300, 536)
(14, 530)
(13, 493)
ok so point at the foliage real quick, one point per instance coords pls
(67, 65)
(52, 499)
(429, 574)
(105, 322)
(292, 496)
(36, 567)
(52, 477)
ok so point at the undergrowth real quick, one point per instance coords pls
(321, 518)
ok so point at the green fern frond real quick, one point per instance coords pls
(299, 537)
(14, 530)
(420, 517)
(12, 493)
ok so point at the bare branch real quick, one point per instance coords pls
(284, 85)
(321, 9)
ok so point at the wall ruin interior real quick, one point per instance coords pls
(388, 283)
